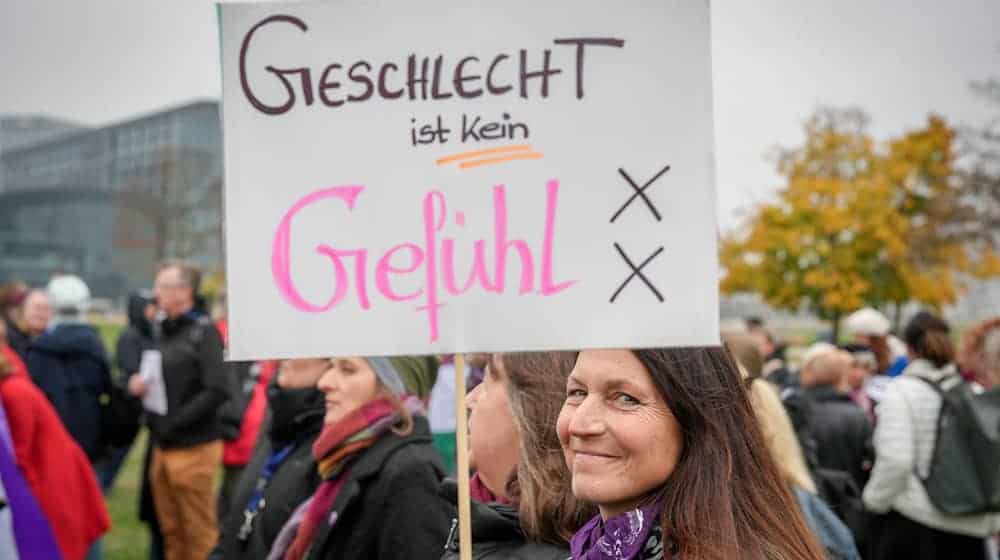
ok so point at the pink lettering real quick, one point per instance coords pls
(478, 268)
(280, 258)
(438, 268)
(432, 226)
(385, 267)
(502, 246)
(551, 201)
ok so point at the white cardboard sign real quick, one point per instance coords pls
(437, 176)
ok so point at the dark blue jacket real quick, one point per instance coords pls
(69, 364)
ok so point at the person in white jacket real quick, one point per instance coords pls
(910, 526)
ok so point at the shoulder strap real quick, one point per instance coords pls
(936, 385)
(939, 389)
(939, 385)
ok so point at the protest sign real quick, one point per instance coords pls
(436, 177)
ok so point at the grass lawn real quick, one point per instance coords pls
(128, 539)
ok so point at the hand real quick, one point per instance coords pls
(136, 386)
(301, 373)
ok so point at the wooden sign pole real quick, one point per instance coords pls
(462, 445)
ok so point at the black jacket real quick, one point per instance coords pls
(389, 507)
(496, 533)
(297, 414)
(69, 364)
(197, 382)
(841, 431)
(135, 339)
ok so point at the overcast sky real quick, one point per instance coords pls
(774, 62)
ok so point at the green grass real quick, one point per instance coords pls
(129, 537)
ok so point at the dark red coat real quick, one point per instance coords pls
(54, 466)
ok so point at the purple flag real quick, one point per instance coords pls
(32, 533)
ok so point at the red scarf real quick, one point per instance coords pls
(480, 493)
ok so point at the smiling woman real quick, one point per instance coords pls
(665, 442)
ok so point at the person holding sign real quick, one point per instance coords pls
(523, 505)
(380, 472)
(665, 442)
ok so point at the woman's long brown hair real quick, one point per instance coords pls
(726, 497)
(542, 484)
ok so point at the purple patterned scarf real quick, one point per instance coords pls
(623, 537)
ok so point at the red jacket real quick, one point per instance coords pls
(237, 452)
(56, 469)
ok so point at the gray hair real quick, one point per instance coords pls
(189, 273)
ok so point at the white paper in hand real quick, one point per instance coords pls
(151, 370)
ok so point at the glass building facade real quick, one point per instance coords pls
(107, 203)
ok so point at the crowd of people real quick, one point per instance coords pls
(719, 452)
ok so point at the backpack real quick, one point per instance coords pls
(240, 380)
(964, 477)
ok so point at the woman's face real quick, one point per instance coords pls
(36, 313)
(857, 374)
(493, 440)
(348, 384)
(620, 440)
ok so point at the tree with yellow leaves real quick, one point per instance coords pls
(857, 224)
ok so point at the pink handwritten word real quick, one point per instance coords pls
(436, 256)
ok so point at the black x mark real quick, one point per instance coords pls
(640, 192)
(637, 271)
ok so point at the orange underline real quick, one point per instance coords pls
(501, 159)
(477, 153)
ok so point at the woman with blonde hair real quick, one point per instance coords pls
(783, 445)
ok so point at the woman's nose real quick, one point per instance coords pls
(588, 418)
(328, 383)
(472, 398)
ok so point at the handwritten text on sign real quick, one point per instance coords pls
(437, 178)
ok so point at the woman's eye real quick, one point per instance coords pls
(623, 399)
